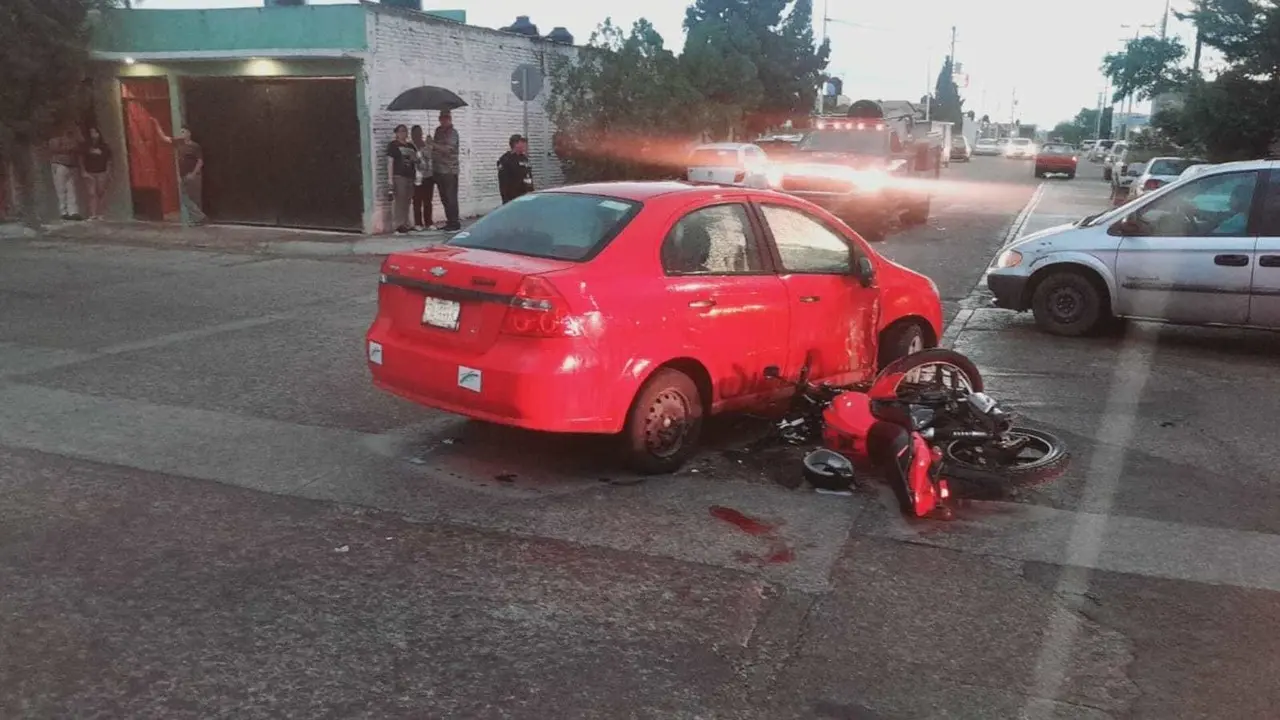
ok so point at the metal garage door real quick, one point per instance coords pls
(279, 151)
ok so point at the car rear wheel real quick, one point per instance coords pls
(1069, 304)
(664, 424)
(1071, 175)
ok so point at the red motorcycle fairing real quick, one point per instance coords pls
(845, 424)
(908, 463)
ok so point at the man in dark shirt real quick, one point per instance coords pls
(190, 171)
(445, 165)
(515, 176)
(402, 171)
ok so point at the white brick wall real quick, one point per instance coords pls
(408, 50)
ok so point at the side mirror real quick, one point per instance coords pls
(865, 271)
(1127, 227)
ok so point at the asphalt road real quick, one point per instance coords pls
(205, 510)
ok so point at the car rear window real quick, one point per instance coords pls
(1169, 166)
(562, 226)
(1057, 150)
(713, 157)
(1021, 141)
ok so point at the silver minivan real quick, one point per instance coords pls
(1201, 250)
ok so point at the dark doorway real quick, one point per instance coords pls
(279, 151)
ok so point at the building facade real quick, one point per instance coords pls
(290, 107)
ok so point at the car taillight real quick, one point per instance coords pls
(739, 176)
(1074, 158)
(1152, 184)
(537, 310)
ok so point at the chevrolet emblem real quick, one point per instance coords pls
(438, 271)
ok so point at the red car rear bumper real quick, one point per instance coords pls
(537, 384)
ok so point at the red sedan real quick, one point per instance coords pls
(1056, 158)
(640, 308)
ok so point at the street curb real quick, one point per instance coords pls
(957, 324)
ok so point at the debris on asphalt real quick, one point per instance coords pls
(344, 548)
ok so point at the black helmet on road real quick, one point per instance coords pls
(828, 470)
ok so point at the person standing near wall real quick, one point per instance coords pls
(64, 158)
(445, 165)
(515, 176)
(402, 170)
(190, 170)
(424, 184)
(95, 163)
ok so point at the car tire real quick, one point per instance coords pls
(1069, 304)
(872, 229)
(900, 340)
(1039, 174)
(668, 402)
(1071, 176)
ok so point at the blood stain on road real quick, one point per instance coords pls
(778, 552)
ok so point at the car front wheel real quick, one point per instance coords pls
(1069, 304)
(664, 423)
(900, 340)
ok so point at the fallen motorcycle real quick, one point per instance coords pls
(922, 421)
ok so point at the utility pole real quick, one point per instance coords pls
(1164, 22)
(953, 49)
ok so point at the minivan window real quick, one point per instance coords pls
(715, 157)
(557, 225)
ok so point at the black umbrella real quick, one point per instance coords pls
(427, 97)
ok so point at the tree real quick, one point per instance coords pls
(947, 105)
(624, 108)
(1084, 125)
(44, 61)
(1146, 67)
(727, 36)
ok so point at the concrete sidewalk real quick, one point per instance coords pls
(228, 238)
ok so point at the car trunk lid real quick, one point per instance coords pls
(455, 297)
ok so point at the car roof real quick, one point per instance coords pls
(640, 191)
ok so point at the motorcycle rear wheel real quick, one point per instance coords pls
(1045, 458)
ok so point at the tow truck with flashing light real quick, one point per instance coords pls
(860, 168)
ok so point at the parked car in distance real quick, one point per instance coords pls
(640, 308)
(742, 164)
(1205, 250)
(1056, 159)
(960, 149)
(987, 147)
(1160, 171)
(1195, 170)
(1086, 146)
(1109, 158)
(1020, 149)
(1129, 164)
(1100, 150)
(778, 146)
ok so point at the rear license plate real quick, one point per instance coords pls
(440, 313)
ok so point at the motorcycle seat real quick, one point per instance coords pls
(908, 416)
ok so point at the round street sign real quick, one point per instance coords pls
(526, 82)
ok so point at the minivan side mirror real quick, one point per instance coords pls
(1126, 227)
(865, 271)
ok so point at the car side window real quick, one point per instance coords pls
(1270, 226)
(716, 240)
(807, 245)
(1213, 206)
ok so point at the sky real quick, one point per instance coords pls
(893, 50)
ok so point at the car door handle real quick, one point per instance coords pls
(702, 304)
(1269, 261)
(810, 298)
(1231, 260)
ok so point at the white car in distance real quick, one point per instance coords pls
(740, 164)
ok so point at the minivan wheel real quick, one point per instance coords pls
(1067, 303)
(664, 423)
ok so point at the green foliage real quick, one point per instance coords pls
(1233, 116)
(44, 58)
(946, 103)
(629, 108)
(623, 106)
(755, 57)
(1146, 67)
(1082, 127)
